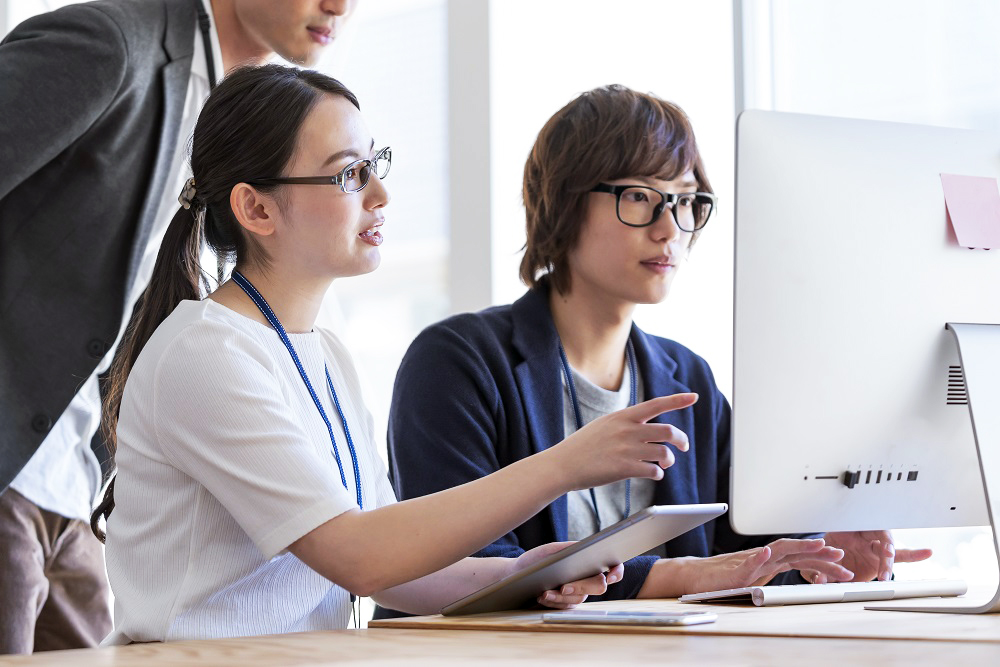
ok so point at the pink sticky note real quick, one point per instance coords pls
(973, 204)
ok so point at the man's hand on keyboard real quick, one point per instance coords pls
(869, 554)
(672, 577)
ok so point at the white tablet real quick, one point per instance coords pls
(598, 553)
(616, 617)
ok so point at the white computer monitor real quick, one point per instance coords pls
(846, 272)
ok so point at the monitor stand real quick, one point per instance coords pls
(979, 354)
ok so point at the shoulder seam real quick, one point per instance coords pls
(124, 42)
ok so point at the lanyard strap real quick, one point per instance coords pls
(252, 292)
(205, 26)
(633, 399)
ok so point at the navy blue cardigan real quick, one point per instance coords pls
(479, 391)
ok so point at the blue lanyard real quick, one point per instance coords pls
(269, 314)
(633, 397)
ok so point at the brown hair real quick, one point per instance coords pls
(604, 134)
(247, 130)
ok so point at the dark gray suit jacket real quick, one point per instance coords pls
(91, 98)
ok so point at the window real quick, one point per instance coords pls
(393, 56)
(544, 53)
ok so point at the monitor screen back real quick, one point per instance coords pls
(846, 272)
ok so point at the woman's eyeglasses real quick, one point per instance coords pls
(352, 178)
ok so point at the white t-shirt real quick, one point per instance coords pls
(594, 402)
(223, 461)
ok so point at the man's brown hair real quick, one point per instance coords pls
(604, 134)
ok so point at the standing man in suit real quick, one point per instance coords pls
(96, 104)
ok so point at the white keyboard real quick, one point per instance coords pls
(771, 596)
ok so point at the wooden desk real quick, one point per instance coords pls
(452, 648)
(844, 635)
(822, 621)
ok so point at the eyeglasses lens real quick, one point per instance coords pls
(637, 206)
(701, 211)
(382, 163)
(356, 176)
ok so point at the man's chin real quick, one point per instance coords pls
(302, 58)
(654, 297)
(309, 59)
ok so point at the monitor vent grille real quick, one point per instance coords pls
(957, 393)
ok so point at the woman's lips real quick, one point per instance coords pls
(372, 236)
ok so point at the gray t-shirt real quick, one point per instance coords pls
(596, 402)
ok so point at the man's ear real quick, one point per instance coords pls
(255, 211)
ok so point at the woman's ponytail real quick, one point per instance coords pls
(177, 276)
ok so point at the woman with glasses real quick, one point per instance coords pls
(616, 196)
(249, 498)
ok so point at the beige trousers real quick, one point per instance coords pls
(53, 585)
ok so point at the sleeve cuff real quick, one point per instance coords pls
(279, 539)
(636, 571)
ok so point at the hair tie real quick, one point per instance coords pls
(188, 194)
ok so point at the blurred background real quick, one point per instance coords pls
(459, 89)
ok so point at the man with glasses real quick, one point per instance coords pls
(97, 101)
(616, 196)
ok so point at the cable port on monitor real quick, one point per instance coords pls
(853, 477)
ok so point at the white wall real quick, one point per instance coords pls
(394, 57)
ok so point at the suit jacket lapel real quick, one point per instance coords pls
(657, 368)
(178, 45)
(539, 380)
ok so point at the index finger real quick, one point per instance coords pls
(912, 555)
(786, 546)
(646, 410)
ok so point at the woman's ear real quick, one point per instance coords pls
(255, 211)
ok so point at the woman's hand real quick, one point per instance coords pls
(573, 593)
(622, 444)
(673, 577)
(868, 555)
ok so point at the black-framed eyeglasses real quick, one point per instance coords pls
(352, 178)
(641, 205)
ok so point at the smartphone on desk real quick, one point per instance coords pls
(631, 617)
